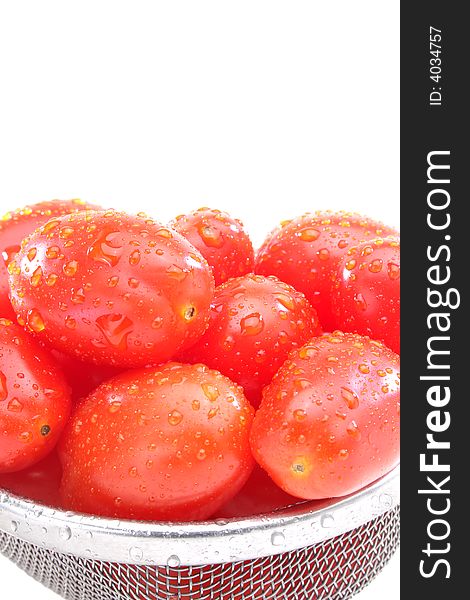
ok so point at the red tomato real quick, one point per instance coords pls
(40, 482)
(111, 288)
(34, 400)
(220, 239)
(328, 423)
(17, 225)
(366, 297)
(82, 377)
(158, 444)
(305, 253)
(255, 323)
(258, 496)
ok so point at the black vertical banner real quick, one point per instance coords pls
(435, 126)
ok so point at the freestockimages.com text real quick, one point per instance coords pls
(441, 300)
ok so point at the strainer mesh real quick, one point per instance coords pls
(335, 569)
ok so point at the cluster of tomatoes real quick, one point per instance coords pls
(145, 369)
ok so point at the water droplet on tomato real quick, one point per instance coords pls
(176, 272)
(66, 232)
(113, 281)
(323, 254)
(36, 277)
(213, 411)
(107, 248)
(175, 417)
(307, 352)
(3, 387)
(350, 397)
(157, 323)
(78, 296)
(252, 324)
(343, 454)
(49, 226)
(70, 322)
(299, 414)
(53, 252)
(350, 264)
(70, 269)
(196, 405)
(134, 258)
(116, 329)
(302, 384)
(393, 271)
(360, 302)
(309, 234)
(51, 279)
(9, 253)
(25, 437)
(201, 454)
(286, 301)
(376, 265)
(364, 369)
(114, 406)
(211, 236)
(353, 430)
(229, 343)
(35, 321)
(31, 254)
(210, 391)
(15, 405)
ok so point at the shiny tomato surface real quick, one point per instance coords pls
(34, 399)
(170, 443)
(221, 239)
(111, 288)
(366, 297)
(40, 482)
(260, 495)
(305, 252)
(17, 225)
(255, 322)
(329, 422)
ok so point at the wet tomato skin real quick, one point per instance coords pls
(17, 225)
(305, 253)
(82, 377)
(366, 297)
(328, 423)
(34, 400)
(165, 443)
(40, 482)
(111, 288)
(255, 322)
(260, 495)
(221, 239)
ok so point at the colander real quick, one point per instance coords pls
(307, 551)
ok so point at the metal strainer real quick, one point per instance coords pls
(309, 551)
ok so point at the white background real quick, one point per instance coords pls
(263, 108)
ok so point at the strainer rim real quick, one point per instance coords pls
(215, 541)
